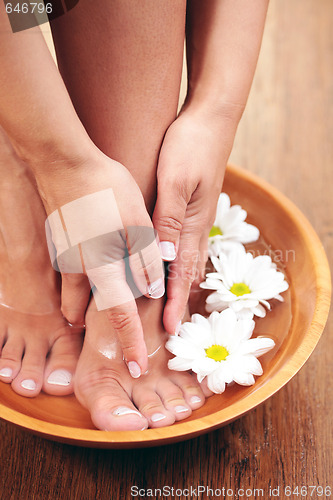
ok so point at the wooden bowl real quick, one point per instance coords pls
(295, 325)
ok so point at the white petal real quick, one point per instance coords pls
(216, 383)
(182, 348)
(179, 364)
(225, 326)
(259, 311)
(204, 366)
(244, 378)
(257, 346)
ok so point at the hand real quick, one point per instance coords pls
(190, 173)
(95, 211)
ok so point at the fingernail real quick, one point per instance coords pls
(60, 377)
(123, 410)
(156, 289)
(177, 330)
(181, 409)
(157, 417)
(29, 384)
(134, 369)
(6, 372)
(195, 399)
(168, 250)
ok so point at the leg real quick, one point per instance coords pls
(37, 347)
(126, 100)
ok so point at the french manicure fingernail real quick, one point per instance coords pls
(134, 369)
(168, 250)
(177, 330)
(123, 410)
(6, 372)
(181, 409)
(156, 289)
(60, 377)
(157, 417)
(29, 384)
(195, 399)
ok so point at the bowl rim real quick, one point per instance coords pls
(189, 429)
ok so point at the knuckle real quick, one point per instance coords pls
(121, 320)
(190, 273)
(169, 224)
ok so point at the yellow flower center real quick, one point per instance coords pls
(217, 352)
(239, 289)
(215, 231)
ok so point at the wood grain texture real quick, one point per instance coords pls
(285, 137)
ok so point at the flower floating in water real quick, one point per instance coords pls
(244, 283)
(219, 348)
(230, 229)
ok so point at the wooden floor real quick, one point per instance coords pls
(286, 136)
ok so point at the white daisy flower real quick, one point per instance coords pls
(230, 229)
(244, 283)
(219, 348)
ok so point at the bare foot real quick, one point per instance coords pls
(38, 349)
(116, 401)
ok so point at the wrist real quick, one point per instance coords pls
(215, 106)
(46, 153)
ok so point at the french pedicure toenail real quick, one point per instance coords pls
(60, 377)
(6, 372)
(157, 417)
(195, 399)
(134, 369)
(123, 410)
(156, 289)
(181, 409)
(29, 384)
(168, 250)
(177, 330)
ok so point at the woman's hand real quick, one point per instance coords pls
(95, 211)
(190, 174)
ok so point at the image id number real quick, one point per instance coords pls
(29, 8)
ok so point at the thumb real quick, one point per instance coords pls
(168, 218)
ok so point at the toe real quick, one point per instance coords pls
(110, 406)
(192, 392)
(204, 387)
(173, 399)
(61, 364)
(29, 380)
(11, 359)
(151, 406)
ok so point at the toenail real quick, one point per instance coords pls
(157, 417)
(181, 409)
(60, 377)
(123, 410)
(195, 399)
(134, 369)
(156, 289)
(29, 384)
(177, 330)
(6, 372)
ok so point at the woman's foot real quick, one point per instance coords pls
(38, 349)
(115, 400)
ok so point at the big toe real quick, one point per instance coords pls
(108, 403)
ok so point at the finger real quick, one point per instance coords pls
(195, 298)
(75, 293)
(181, 275)
(145, 260)
(168, 217)
(113, 294)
